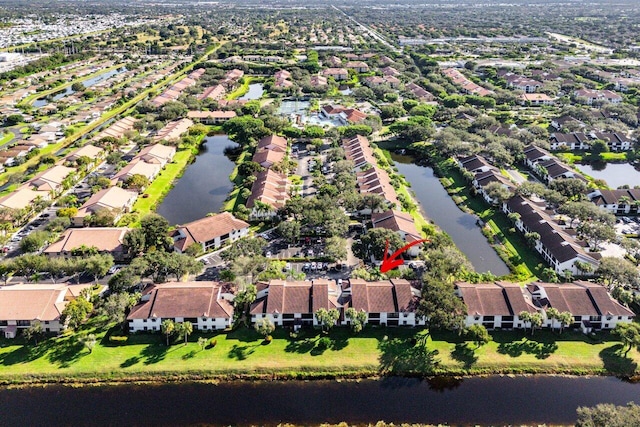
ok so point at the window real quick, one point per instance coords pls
(24, 322)
(4, 323)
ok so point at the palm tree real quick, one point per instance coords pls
(566, 319)
(553, 314)
(168, 327)
(184, 328)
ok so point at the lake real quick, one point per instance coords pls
(615, 174)
(493, 400)
(203, 187)
(41, 102)
(439, 207)
(255, 92)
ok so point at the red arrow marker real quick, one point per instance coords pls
(389, 263)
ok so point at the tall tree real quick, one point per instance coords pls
(327, 318)
(440, 306)
(629, 334)
(156, 228)
(356, 318)
(168, 327)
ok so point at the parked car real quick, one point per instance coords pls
(306, 266)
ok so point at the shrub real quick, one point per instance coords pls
(118, 339)
(213, 342)
(324, 343)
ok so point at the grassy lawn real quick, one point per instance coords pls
(512, 247)
(6, 138)
(240, 90)
(580, 156)
(374, 351)
(163, 183)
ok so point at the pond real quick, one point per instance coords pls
(615, 174)
(41, 102)
(439, 207)
(204, 186)
(255, 92)
(491, 400)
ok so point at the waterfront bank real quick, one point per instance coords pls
(241, 354)
(518, 400)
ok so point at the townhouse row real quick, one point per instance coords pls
(293, 304)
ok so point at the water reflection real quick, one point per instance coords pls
(439, 207)
(204, 186)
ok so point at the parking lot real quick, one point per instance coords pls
(628, 225)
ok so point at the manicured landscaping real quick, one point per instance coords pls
(7, 137)
(163, 183)
(578, 157)
(375, 351)
(511, 246)
(240, 90)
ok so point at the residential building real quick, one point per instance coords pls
(25, 304)
(568, 141)
(495, 305)
(419, 92)
(343, 115)
(96, 154)
(213, 92)
(207, 305)
(269, 192)
(211, 117)
(590, 96)
(375, 180)
(523, 83)
(536, 99)
(558, 246)
(317, 81)
(357, 66)
(618, 202)
(615, 140)
(174, 130)
(359, 151)
(52, 180)
(294, 303)
(546, 166)
(387, 303)
(23, 198)
(114, 199)
(210, 232)
(400, 222)
(590, 304)
(465, 84)
(157, 154)
(106, 240)
(336, 73)
(137, 166)
(118, 129)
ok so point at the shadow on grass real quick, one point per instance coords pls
(189, 355)
(26, 353)
(401, 356)
(154, 353)
(241, 352)
(130, 362)
(517, 348)
(66, 351)
(464, 354)
(616, 361)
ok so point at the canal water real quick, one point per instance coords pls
(203, 187)
(439, 207)
(615, 174)
(41, 102)
(491, 400)
(255, 92)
